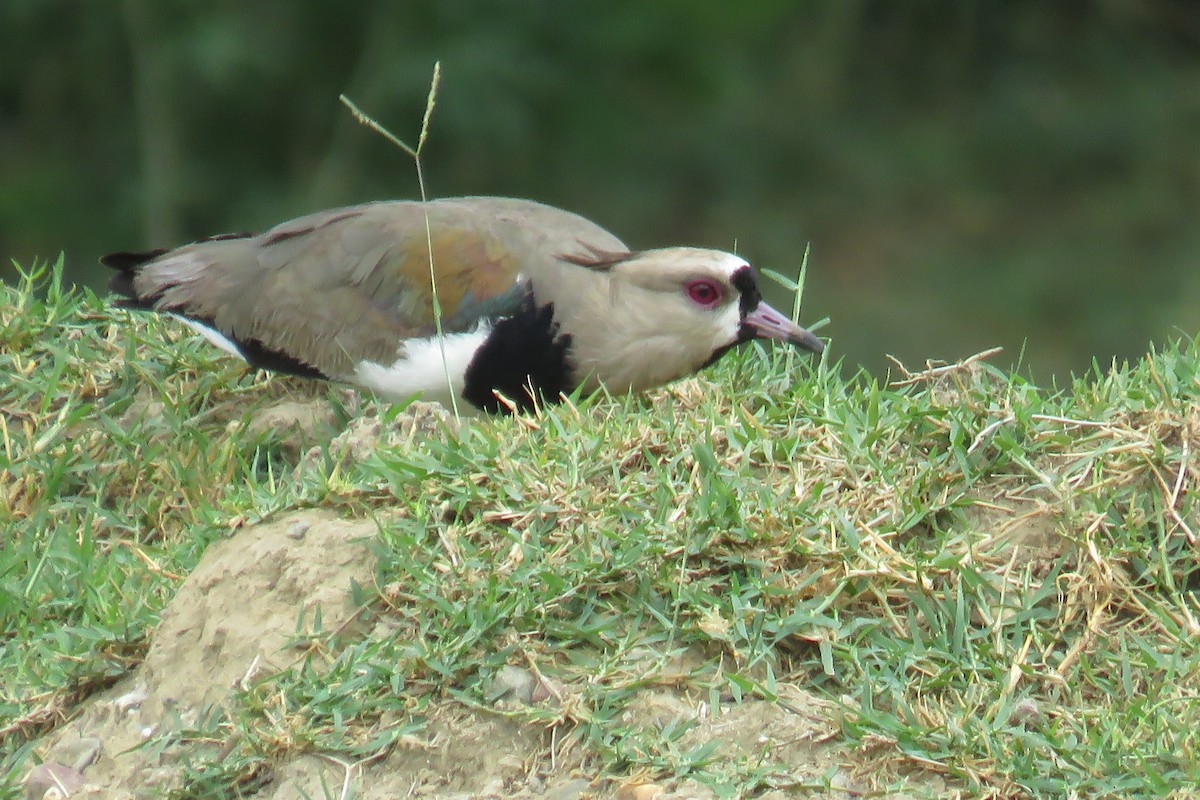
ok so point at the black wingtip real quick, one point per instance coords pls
(126, 263)
(129, 260)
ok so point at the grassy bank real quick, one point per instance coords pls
(996, 582)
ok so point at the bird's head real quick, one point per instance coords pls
(661, 314)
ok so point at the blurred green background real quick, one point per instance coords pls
(1021, 173)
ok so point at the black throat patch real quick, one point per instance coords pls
(524, 358)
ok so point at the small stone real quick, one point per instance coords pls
(298, 528)
(841, 782)
(1026, 712)
(131, 699)
(546, 689)
(511, 764)
(52, 780)
(571, 790)
(291, 425)
(640, 791)
(513, 683)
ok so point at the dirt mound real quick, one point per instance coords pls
(233, 616)
(239, 613)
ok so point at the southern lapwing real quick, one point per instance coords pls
(535, 302)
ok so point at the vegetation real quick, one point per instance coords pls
(995, 581)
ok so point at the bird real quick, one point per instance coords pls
(491, 304)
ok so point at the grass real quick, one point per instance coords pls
(996, 582)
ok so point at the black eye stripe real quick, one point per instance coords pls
(744, 280)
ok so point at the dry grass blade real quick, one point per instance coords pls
(932, 372)
(415, 155)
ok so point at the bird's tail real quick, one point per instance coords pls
(127, 263)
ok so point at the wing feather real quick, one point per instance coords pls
(335, 288)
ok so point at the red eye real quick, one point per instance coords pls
(704, 292)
